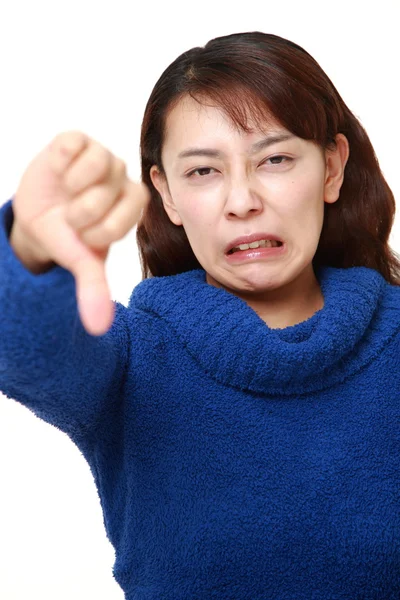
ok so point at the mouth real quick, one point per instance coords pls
(264, 253)
(255, 246)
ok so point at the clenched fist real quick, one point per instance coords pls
(74, 200)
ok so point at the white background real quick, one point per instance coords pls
(91, 65)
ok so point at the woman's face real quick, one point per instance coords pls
(279, 189)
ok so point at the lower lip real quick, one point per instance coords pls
(255, 254)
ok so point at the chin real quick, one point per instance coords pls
(257, 277)
(256, 282)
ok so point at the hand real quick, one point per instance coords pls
(74, 200)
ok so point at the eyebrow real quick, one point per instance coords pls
(257, 147)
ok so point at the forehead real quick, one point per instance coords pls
(189, 121)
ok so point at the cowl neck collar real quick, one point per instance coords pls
(237, 348)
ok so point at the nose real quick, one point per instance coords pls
(242, 200)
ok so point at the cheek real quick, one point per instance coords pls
(200, 224)
(196, 212)
(303, 201)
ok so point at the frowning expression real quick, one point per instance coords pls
(222, 184)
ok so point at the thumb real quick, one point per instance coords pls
(63, 245)
(95, 306)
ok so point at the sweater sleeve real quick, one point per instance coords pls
(48, 361)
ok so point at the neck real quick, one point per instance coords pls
(286, 306)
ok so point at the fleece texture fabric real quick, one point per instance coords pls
(232, 460)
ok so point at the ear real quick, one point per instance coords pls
(161, 184)
(335, 164)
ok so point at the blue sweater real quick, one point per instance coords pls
(233, 461)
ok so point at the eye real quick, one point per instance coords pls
(199, 171)
(204, 171)
(278, 156)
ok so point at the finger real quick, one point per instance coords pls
(93, 166)
(64, 148)
(89, 207)
(120, 219)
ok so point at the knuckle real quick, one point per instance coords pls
(111, 229)
(102, 235)
(98, 159)
(95, 238)
(81, 215)
(69, 139)
(91, 206)
(99, 199)
(120, 167)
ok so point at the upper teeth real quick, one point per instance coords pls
(258, 244)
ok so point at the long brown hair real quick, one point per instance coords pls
(262, 74)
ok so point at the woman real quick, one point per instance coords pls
(237, 415)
